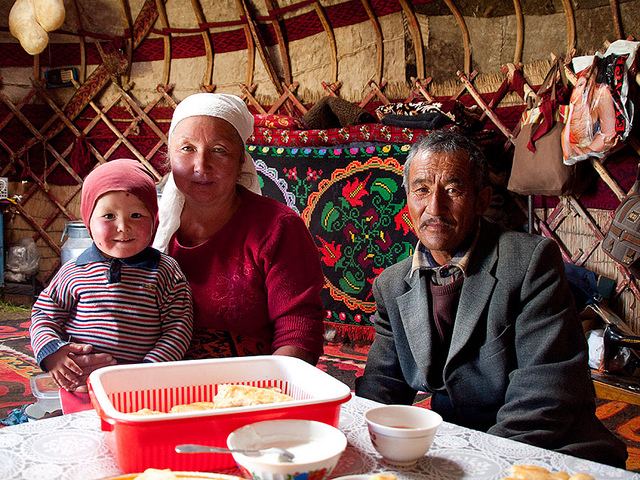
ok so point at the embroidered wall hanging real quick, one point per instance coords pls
(353, 202)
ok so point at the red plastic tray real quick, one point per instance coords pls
(140, 442)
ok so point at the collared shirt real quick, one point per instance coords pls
(450, 271)
(149, 258)
(138, 309)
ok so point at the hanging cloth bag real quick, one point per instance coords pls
(538, 168)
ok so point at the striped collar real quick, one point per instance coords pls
(147, 258)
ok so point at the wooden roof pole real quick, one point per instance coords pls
(251, 47)
(379, 44)
(517, 56)
(331, 37)
(262, 50)
(284, 54)
(465, 35)
(571, 25)
(83, 45)
(166, 68)
(617, 22)
(208, 48)
(414, 27)
(125, 11)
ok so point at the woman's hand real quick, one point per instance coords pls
(89, 362)
(63, 369)
(291, 351)
(72, 364)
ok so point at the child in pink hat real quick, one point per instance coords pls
(120, 297)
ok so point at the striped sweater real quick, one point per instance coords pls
(137, 309)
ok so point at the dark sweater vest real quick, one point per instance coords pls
(444, 305)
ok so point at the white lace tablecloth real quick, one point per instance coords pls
(72, 447)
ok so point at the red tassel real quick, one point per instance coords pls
(353, 332)
(80, 158)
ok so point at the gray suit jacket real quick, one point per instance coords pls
(517, 365)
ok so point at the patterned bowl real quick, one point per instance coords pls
(316, 446)
(402, 434)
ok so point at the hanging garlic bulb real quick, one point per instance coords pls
(49, 13)
(30, 20)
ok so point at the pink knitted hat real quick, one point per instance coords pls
(122, 175)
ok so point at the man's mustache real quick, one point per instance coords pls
(437, 221)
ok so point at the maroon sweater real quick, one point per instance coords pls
(259, 276)
(445, 299)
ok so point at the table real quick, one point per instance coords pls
(72, 447)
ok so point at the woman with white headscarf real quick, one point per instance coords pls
(252, 264)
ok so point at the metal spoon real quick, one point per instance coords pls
(286, 455)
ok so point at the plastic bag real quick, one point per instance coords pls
(600, 112)
(23, 258)
(595, 342)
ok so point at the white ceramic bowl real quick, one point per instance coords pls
(317, 448)
(402, 434)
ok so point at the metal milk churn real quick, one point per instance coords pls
(78, 240)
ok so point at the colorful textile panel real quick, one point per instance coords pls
(353, 202)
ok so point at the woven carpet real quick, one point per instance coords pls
(17, 365)
(344, 361)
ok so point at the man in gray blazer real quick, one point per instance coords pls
(482, 317)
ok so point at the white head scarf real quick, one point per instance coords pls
(220, 105)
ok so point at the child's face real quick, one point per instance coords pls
(121, 225)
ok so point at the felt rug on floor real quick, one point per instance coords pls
(344, 361)
(17, 365)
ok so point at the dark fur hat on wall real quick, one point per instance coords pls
(334, 112)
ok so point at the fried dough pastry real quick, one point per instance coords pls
(146, 411)
(244, 395)
(230, 396)
(532, 472)
(155, 474)
(192, 407)
(383, 476)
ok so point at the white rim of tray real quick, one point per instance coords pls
(342, 395)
